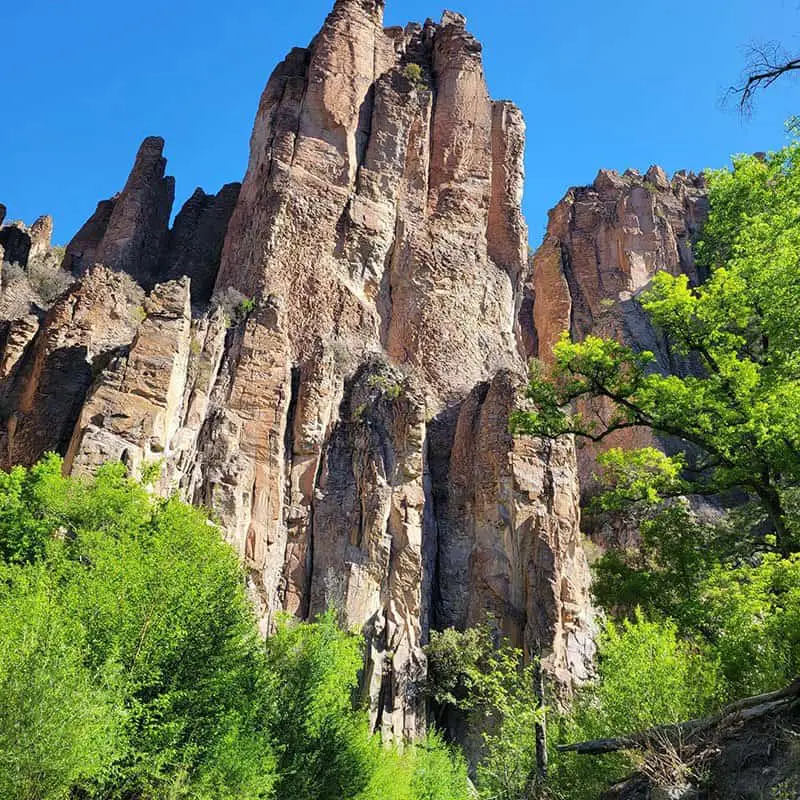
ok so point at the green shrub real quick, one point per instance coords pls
(413, 73)
(325, 748)
(60, 722)
(646, 677)
(154, 597)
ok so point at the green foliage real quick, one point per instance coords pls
(388, 386)
(59, 725)
(146, 592)
(508, 769)
(681, 682)
(427, 770)
(742, 326)
(414, 75)
(326, 750)
(468, 671)
(131, 665)
(663, 575)
(646, 677)
(151, 471)
(30, 504)
(637, 476)
(752, 614)
(245, 307)
(489, 684)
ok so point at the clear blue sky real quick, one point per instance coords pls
(616, 84)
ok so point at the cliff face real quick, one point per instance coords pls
(341, 405)
(604, 244)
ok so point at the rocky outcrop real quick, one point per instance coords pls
(76, 340)
(341, 405)
(512, 518)
(135, 235)
(20, 244)
(194, 247)
(81, 252)
(132, 413)
(129, 232)
(604, 244)
(395, 179)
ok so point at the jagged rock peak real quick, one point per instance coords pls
(604, 244)
(20, 244)
(369, 183)
(130, 231)
(453, 18)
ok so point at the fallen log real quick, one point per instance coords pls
(746, 709)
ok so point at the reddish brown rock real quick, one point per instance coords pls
(603, 246)
(135, 236)
(324, 407)
(76, 339)
(133, 411)
(381, 187)
(509, 543)
(368, 538)
(195, 242)
(21, 244)
(81, 252)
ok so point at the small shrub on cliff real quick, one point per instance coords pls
(413, 73)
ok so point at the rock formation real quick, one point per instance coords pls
(604, 244)
(341, 403)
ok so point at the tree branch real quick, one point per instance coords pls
(766, 63)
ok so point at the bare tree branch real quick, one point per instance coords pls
(765, 64)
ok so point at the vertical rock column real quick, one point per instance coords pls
(368, 529)
(134, 409)
(512, 549)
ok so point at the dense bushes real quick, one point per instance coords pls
(131, 667)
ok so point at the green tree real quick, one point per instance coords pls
(60, 723)
(751, 616)
(742, 327)
(155, 598)
(487, 683)
(324, 747)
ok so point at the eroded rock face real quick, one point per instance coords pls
(510, 546)
(132, 413)
(604, 244)
(396, 178)
(76, 339)
(342, 405)
(195, 242)
(134, 237)
(21, 244)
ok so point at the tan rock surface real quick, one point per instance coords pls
(604, 244)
